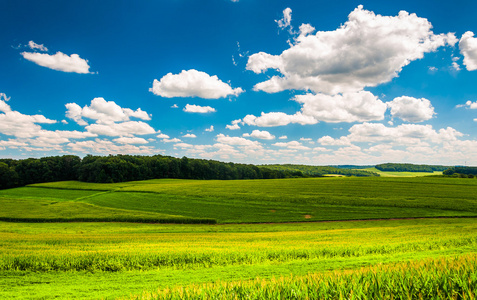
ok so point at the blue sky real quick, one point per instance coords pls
(309, 82)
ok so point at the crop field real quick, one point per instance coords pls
(243, 201)
(253, 239)
(109, 260)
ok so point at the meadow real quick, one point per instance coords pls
(243, 201)
(347, 238)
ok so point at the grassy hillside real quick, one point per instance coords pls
(281, 200)
(251, 251)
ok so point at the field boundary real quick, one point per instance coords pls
(356, 220)
(111, 220)
(208, 221)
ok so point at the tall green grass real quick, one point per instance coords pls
(110, 260)
(202, 249)
(444, 278)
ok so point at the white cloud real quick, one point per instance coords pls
(234, 125)
(4, 96)
(285, 21)
(11, 143)
(198, 109)
(367, 50)
(306, 29)
(35, 46)
(263, 135)
(237, 141)
(411, 109)
(292, 145)
(19, 125)
(174, 140)
(309, 140)
(283, 137)
(360, 106)
(189, 135)
(456, 66)
(348, 107)
(30, 136)
(59, 61)
(278, 119)
(210, 129)
(329, 141)
(126, 129)
(108, 147)
(405, 134)
(130, 140)
(468, 48)
(162, 136)
(183, 145)
(4, 107)
(262, 61)
(193, 83)
(469, 104)
(321, 149)
(174, 106)
(103, 111)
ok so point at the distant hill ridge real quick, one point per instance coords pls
(322, 170)
(397, 167)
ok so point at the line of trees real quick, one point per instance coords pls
(392, 167)
(469, 172)
(119, 168)
(317, 171)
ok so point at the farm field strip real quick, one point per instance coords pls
(64, 252)
(443, 278)
(69, 259)
(282, 200)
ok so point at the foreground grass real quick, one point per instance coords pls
(108, 260)
(443, 278)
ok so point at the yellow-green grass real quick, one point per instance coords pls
(444, 278)
(99, 260)
(402, 174)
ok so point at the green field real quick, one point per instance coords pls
(264, 243)
(98, 260)
(244, 201)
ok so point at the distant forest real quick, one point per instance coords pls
(314, 171)
(392, 167)
(119, 168)
(469, 172)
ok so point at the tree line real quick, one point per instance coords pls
(469, 172)
(393, 167)
(317, 171)
(120, 168)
